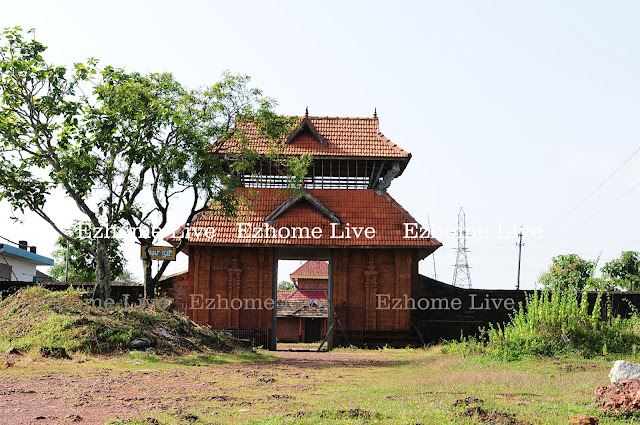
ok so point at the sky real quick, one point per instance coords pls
(514, 111)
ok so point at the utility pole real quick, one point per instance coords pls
(433, 256)
(520, 244)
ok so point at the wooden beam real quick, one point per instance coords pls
(374, 181)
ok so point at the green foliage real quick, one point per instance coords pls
(124, 146)
(569, 271)
(82, 267)
(558, 323)
(624, 272)
(285, 285)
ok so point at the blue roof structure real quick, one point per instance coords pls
(24, 255)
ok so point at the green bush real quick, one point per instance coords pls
(557, 324)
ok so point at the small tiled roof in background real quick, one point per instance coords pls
(344, 137)
(302, 303)
(302, 295)
(312, 270)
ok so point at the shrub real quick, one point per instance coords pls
(556, 324)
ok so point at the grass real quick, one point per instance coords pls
(522, 373)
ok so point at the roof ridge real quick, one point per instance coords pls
(327, 117)
(356, 137)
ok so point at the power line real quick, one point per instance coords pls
(8, 240)
(614, 202)
(7, 263)
(601, 184)
(491, 245)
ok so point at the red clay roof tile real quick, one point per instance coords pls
(312, 269)
(356, 209)
(352, 137)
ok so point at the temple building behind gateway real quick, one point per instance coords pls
(303, 311)
(344, 193)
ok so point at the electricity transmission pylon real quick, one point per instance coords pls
(461, 276)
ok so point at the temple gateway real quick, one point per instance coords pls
(370, 243)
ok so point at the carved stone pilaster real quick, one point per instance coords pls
(340, 278)
(261, 285)
(371, 289)
(403, 286)
(233, 284)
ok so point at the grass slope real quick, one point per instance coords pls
(35, 319)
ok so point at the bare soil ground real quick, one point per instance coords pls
(298, 387)
(89, 396)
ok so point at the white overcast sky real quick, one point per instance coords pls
(515, 111)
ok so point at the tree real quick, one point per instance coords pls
(285, 285)
(624, 272)
(570, 272)
(82, 266)
(124, 147)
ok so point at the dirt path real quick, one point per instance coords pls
(90, 396)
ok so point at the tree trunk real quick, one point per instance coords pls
(102, 290)
(149, 284)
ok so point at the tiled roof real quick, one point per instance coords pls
(312, 269)
(302, 294)
(352, 137)
(356, 209)
(302, 303)
(174, 275)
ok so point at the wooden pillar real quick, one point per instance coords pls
(273, 344)
(330, 302)
(399, 288)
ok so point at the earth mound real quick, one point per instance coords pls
(36, 319)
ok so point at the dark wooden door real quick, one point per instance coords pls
(312, 330)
